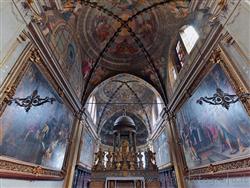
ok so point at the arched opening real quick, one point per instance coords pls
(124, 92)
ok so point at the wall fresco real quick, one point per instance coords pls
(40, 135)
(212, 133)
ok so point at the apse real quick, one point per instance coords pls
(125, 93)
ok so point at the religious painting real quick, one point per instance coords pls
(161, 148)
(213, 133)
(87, 149)
(36, 125)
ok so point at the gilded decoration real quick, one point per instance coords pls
(234, 167)
(27, 170)
(237, 160)
(32, 73)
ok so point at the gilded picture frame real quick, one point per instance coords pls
(13, 166)
(235, 166)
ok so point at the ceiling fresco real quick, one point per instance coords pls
(122, 36)
(107, 130)
(127, 93)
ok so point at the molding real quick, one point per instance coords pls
(23, 170)
(195, 68)
(232, 169)
(13, 168)
(53, 65)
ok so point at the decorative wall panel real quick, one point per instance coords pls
(40, 134)
(87, 149)
(213, 133)
(161, 148)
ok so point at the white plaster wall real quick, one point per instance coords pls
(9, 183)
(243, 182)
(11, 25)
(240, 61)
(238, 26)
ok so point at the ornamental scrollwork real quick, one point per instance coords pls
(223, 99)
(221, 168)
(32, 100)
(37, 170)
(28, 169)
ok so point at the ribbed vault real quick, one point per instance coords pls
(128, 38)
(128, 93)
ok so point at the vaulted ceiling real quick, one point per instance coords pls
(129, 36)
(106, 38)
(120, 36)
(125, 93)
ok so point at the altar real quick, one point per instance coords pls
(123, 166)
(125, 182)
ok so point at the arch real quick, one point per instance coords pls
(134, 86)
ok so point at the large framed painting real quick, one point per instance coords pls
(214, 137)
(161, 148)
(86, 154)
(35, 126)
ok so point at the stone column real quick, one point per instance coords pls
(73, 152)
(134, 140)
(114, 142)
(175, 147)
(130, 141)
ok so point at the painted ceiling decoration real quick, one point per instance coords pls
(122, 36)
(124, 92)
(117, 39)
(125, 33)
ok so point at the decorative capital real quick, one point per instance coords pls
(35, 56)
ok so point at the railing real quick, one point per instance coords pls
(81, 178)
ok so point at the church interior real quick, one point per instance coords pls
(124, 93)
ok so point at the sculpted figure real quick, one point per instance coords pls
(140, 163)
(99, 160)
(109, 162)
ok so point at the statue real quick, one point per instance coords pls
(99, 159)
(118, 159)
(124, 153)
(109, 165)
(140, 163)
(150, 160)
(125, 148)
(132, 160)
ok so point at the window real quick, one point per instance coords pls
(159, 105)
(180, 53)
(189, 37)
(174, 73)
(156, 110)
(185, 44)
(92, 108)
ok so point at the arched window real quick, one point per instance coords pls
(92, 108)
(153, 116)
(189, 38)
(159, 105)
(156, 111)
